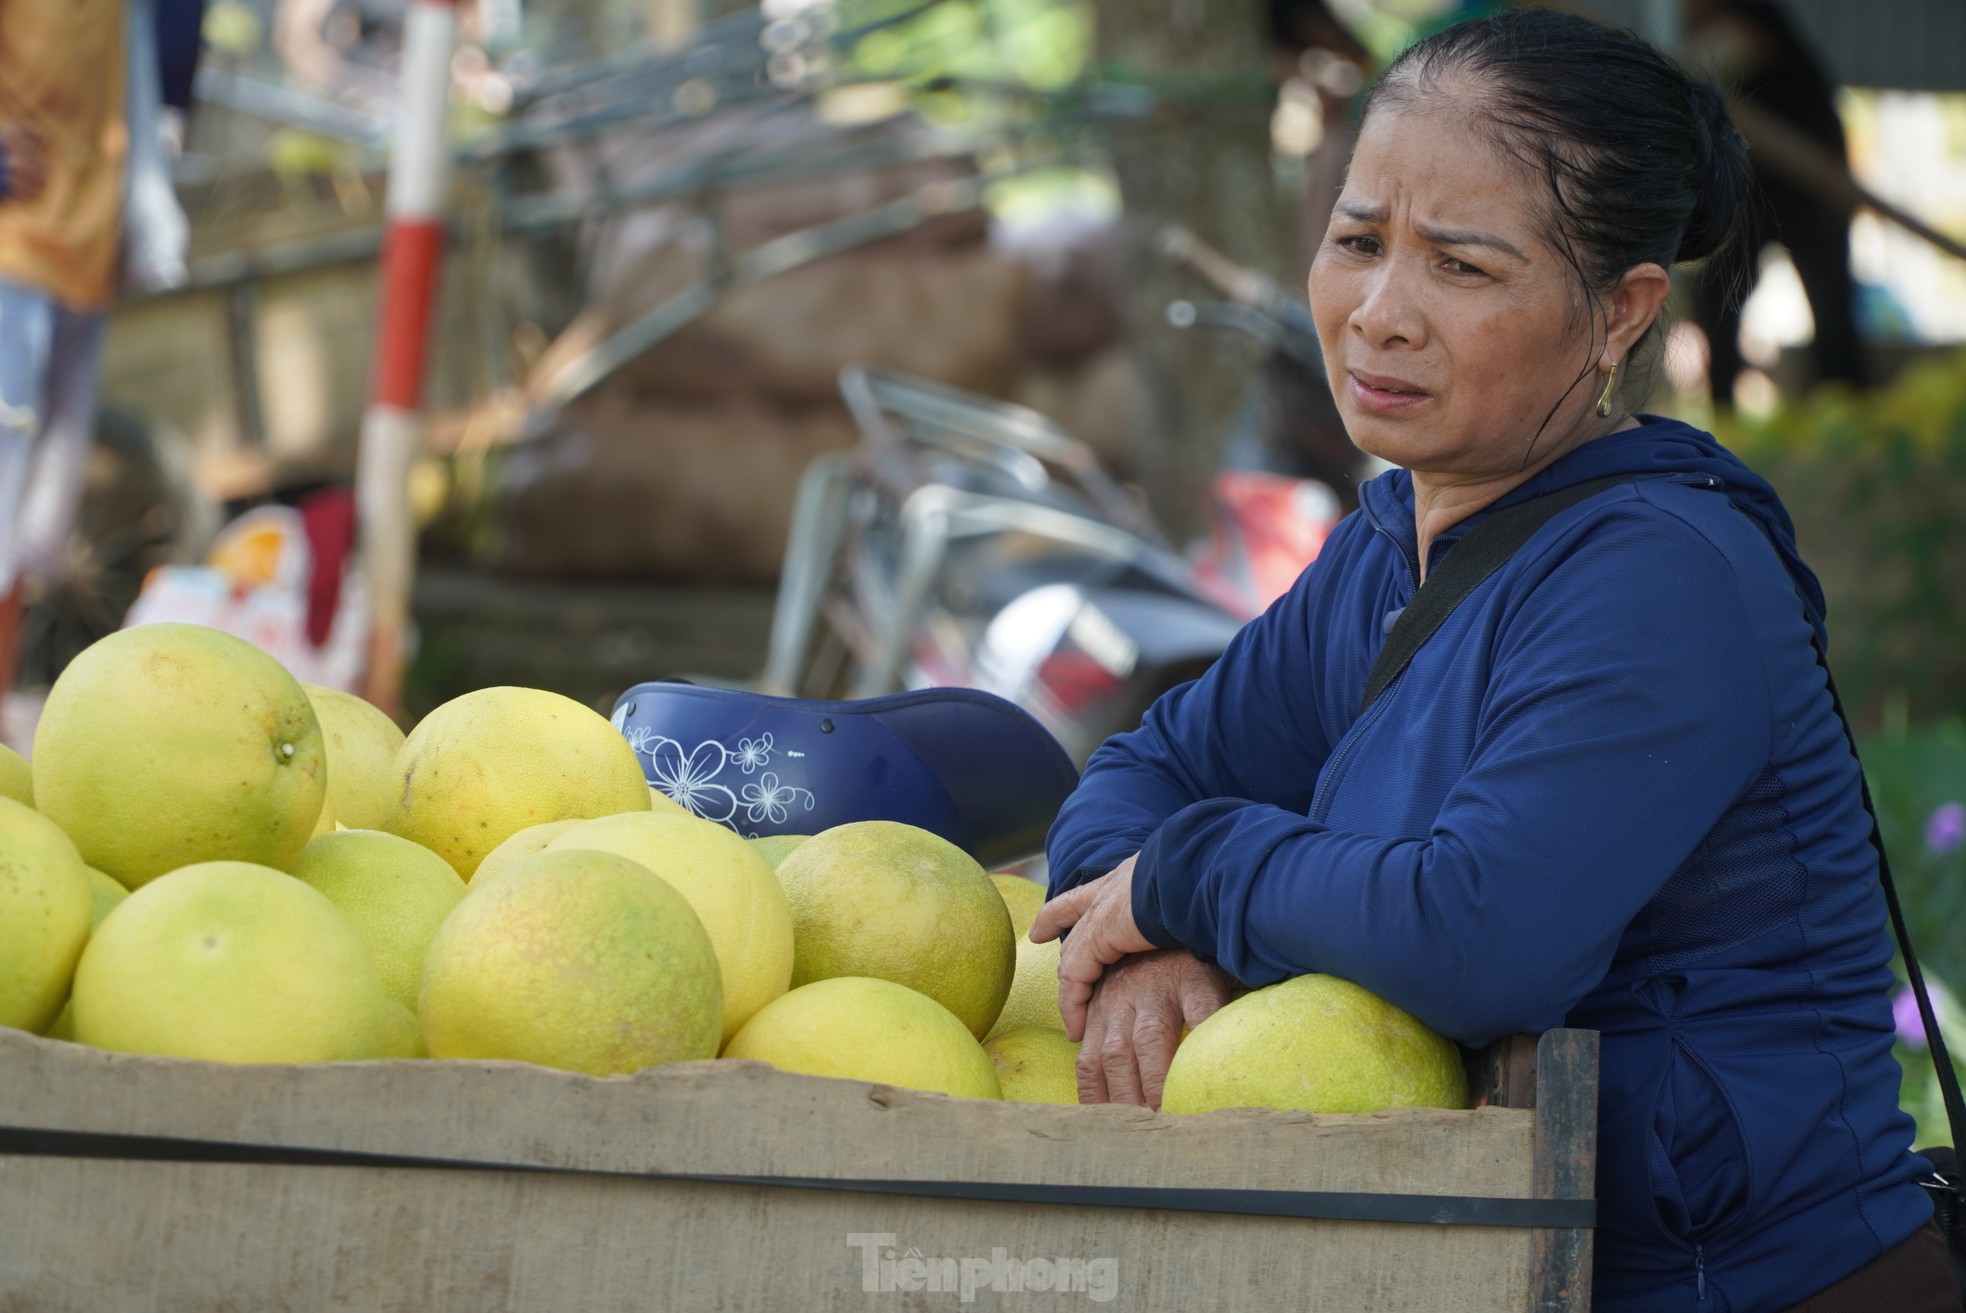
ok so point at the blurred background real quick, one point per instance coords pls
(841, 346)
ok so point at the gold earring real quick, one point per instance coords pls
(1610, 384)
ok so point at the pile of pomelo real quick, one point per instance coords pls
(208, 860)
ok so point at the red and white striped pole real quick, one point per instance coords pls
(412, 249)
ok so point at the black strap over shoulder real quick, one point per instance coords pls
(1480, 553)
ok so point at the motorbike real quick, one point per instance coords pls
(968, 542)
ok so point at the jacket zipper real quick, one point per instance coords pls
(1700, 1277)
(1334, 769)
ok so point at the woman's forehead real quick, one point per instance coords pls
(1437, 166)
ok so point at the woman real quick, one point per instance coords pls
(1611, 791)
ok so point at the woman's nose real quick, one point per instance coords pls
(1388, 313)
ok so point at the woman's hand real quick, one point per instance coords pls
(1135, 1020)
(1099, 913)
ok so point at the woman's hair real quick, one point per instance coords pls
(1642, 161)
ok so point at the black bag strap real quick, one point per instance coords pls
(1482, 551)
(1935, 1042)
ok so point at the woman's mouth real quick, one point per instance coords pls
(1381, 395)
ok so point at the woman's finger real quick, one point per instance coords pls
(1064, 911)
(1117, 1060)
(1091, 1073)
(1156, 1031)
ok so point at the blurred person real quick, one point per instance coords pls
(1753, 48)
(78, 80)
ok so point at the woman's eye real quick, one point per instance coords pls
(1461, 267)
(1360, 244)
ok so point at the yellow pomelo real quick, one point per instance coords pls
(775, 848)
(170, 744)
(859, 1028)
(362, 743)
(1315, 1043)
(484, 766)
(525, 843)
(44, 916)
(104, 895)
(1023, 898)
(394, 892)
(882, 899)
(662, 802)
(1036, 1064)
(16, 777)
(1033, 997)
(325, 823)
(402, 1036)
(230, 962)
(730, 886)
(573, 959)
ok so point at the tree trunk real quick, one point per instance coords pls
(1202, 160)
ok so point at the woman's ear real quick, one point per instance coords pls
(1632, 307)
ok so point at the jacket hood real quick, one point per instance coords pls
(1659, 447)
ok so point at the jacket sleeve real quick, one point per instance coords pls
(1627, 708)
(1253, 727)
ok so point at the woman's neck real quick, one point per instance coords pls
(1441, 501)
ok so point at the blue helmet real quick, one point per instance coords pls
(967, 765)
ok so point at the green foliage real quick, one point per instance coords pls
(1918, 784)
(1000, 45)
(1875, 482)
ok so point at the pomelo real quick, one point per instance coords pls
(1036, 1064)
(662, 802)
(16, 777)
(44, 916)
(168, 744)
(394, 892)
(1033, 999)
(882, 899)
(402, 1036)
(486, 765)
(859, 1028)
(573, 959)
(104, 895)
(1023, 898)
(775, 848)
(230, 962)
(362, 743)
(1315, 1043)
(525, 843)
(730, 886)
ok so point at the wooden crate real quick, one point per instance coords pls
(501, 1186)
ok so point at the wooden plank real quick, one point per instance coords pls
(1565, 1166)
(1505, 1075)
(84, 1237)
(744, 1117)
(93, 1234)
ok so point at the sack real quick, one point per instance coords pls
(1948, 1190)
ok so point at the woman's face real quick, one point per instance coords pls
(1450, 326)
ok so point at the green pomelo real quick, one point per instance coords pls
(1315, 1043)
(858, 1028)
(573, 959)
(882, 899)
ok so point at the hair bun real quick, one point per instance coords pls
(1723, 183)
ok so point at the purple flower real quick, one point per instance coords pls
(1945, 828)
(1904, 1014)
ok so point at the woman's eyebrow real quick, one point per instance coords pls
(1464, 237)
(1364, 213)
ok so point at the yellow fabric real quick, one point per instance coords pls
(61, 69)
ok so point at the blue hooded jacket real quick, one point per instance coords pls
(1609, 792)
